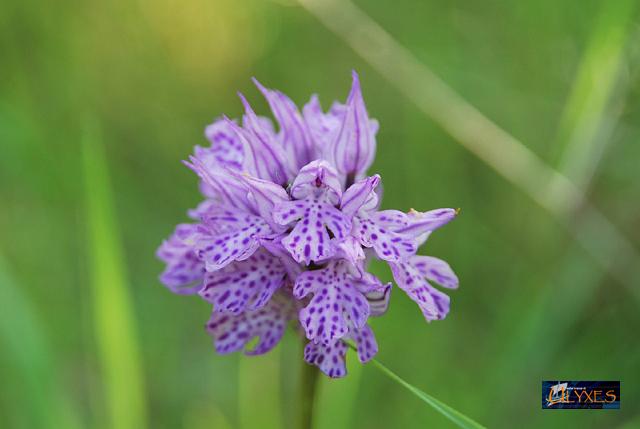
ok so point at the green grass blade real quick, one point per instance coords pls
(588, 117)
(583, 132)
(455, 416)
(36, 398)
(115, 326)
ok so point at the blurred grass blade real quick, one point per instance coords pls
(259, 391)
(583, 136)
(588, 112)
(455, 416)
(36, 398)
(115, 327)
(336, 397)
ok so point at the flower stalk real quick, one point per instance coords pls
(308, 386)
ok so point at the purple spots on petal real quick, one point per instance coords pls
(433, 303)
(184, 271)
(232, 332)
(388, 245)
(315, 221)
(262, 274)
(337, 306)
(330, 359)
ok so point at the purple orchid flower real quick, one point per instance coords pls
(289, 222)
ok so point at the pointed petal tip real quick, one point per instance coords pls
(234, 126)
(355, 83)
(244, 101)
(192, 163)
(260, 86)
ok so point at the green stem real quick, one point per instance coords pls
(308, 381)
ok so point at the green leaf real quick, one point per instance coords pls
(455, 416)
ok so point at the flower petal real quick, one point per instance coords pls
(351, 250)
(309, 240)
(231, 332)
(226, 148)
(232, 237)
(330, 358)
(433, 303)
(355, 146)
(263, 156)
(378, 299)
(358, 194)
(337, 306)
(246, 285)
(218, 185)
(184, 271)
(376, 230)
(324, 128)
(294, 132)
(365, 343)
(419, 223)
(265, 194)
(317, 180)
(275, 247)
(436, 270)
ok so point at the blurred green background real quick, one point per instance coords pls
(99, 102)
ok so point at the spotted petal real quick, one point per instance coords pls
(184, 271)
(246, 285)
(309, 240)
(226, 148)
(419, 223)
(318, 180)
(232, 332)
(366, 344)
(330, 358)
(376, 230)
(436, 270)
(433, 303)
(351, 250)
(338, 303)
(234, 236)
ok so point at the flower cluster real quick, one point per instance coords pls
(289, 222)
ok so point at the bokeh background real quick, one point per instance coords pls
(99, 102)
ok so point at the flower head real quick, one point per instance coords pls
(289, 222)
